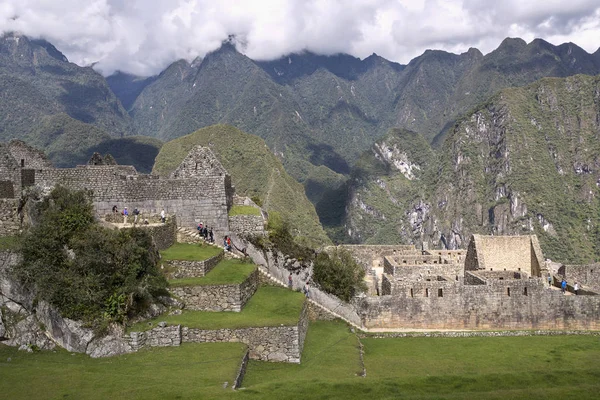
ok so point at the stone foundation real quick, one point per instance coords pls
(217, 297)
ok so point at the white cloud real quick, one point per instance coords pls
(144, 36)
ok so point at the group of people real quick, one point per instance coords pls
(136, 214)
(205, 233)
(563, 285)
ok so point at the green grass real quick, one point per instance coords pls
(270, 306)
(243, 210)
(535, 367)
(227, 272)
(8, 242)
(192, 371)
(190, 252)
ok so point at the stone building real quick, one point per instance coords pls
(500, 283)
(199, 190)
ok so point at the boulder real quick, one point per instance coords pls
(65, 332)
(109, 346)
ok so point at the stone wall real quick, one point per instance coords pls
(372, 255)
(164, 235)
(269, 343)
(193, 199)
(247, 225)
(217, 297)
(10, 175)
(192, 269)
(505, 253)
(586, 275)
(9, 218)
(516, 304)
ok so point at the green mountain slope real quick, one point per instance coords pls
(68, 142)
(254, 171)
(37, 80)
(526, 161)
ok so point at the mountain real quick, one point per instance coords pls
(66, 110)
(255, 172)
(318, 114)
(37, 80)
(127, 87)
(526, 161)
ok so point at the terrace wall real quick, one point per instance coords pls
(269, 343)
(217, 297)
(192, 269)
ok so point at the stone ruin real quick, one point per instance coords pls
(499, 282)
(199, 190)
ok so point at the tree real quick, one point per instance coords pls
(86, 271)
(339, 274)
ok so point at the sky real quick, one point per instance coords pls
(144, 36)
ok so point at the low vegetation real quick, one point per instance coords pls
(536, 367)
(338, 273)
(227, 272)
(89, 273)
(192, 371)
(270, 306)
(243, 210)
(190, 252)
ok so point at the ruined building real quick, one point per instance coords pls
(500, 282)
(199, 190)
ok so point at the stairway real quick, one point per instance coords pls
(189, 235)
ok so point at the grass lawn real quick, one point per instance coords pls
(534, 367)
(8, 242)
(190, 252)
(243, 210)
(192, 371)
(226, 272)
(270, 306)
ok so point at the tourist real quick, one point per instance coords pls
(200, 229)
(205, 233)
(307, 290)
(163, 218)
(550, 280)
(125, 215)
(290, 281)
(211, 235)
(563, 286)
(115, 210)
(226, 243)
(576, 288)
(136, 212)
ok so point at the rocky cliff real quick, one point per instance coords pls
(525, 161)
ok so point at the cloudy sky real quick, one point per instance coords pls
(144, 36)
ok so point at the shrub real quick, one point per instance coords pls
(339, 274)
(88, 272)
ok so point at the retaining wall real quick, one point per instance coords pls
(269, 343)
(193, 269)
(217, 297)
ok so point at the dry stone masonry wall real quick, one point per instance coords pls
(217, 297)
(193, 269)
(269, 343)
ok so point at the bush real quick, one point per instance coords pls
(88, 272)
(339, 274)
